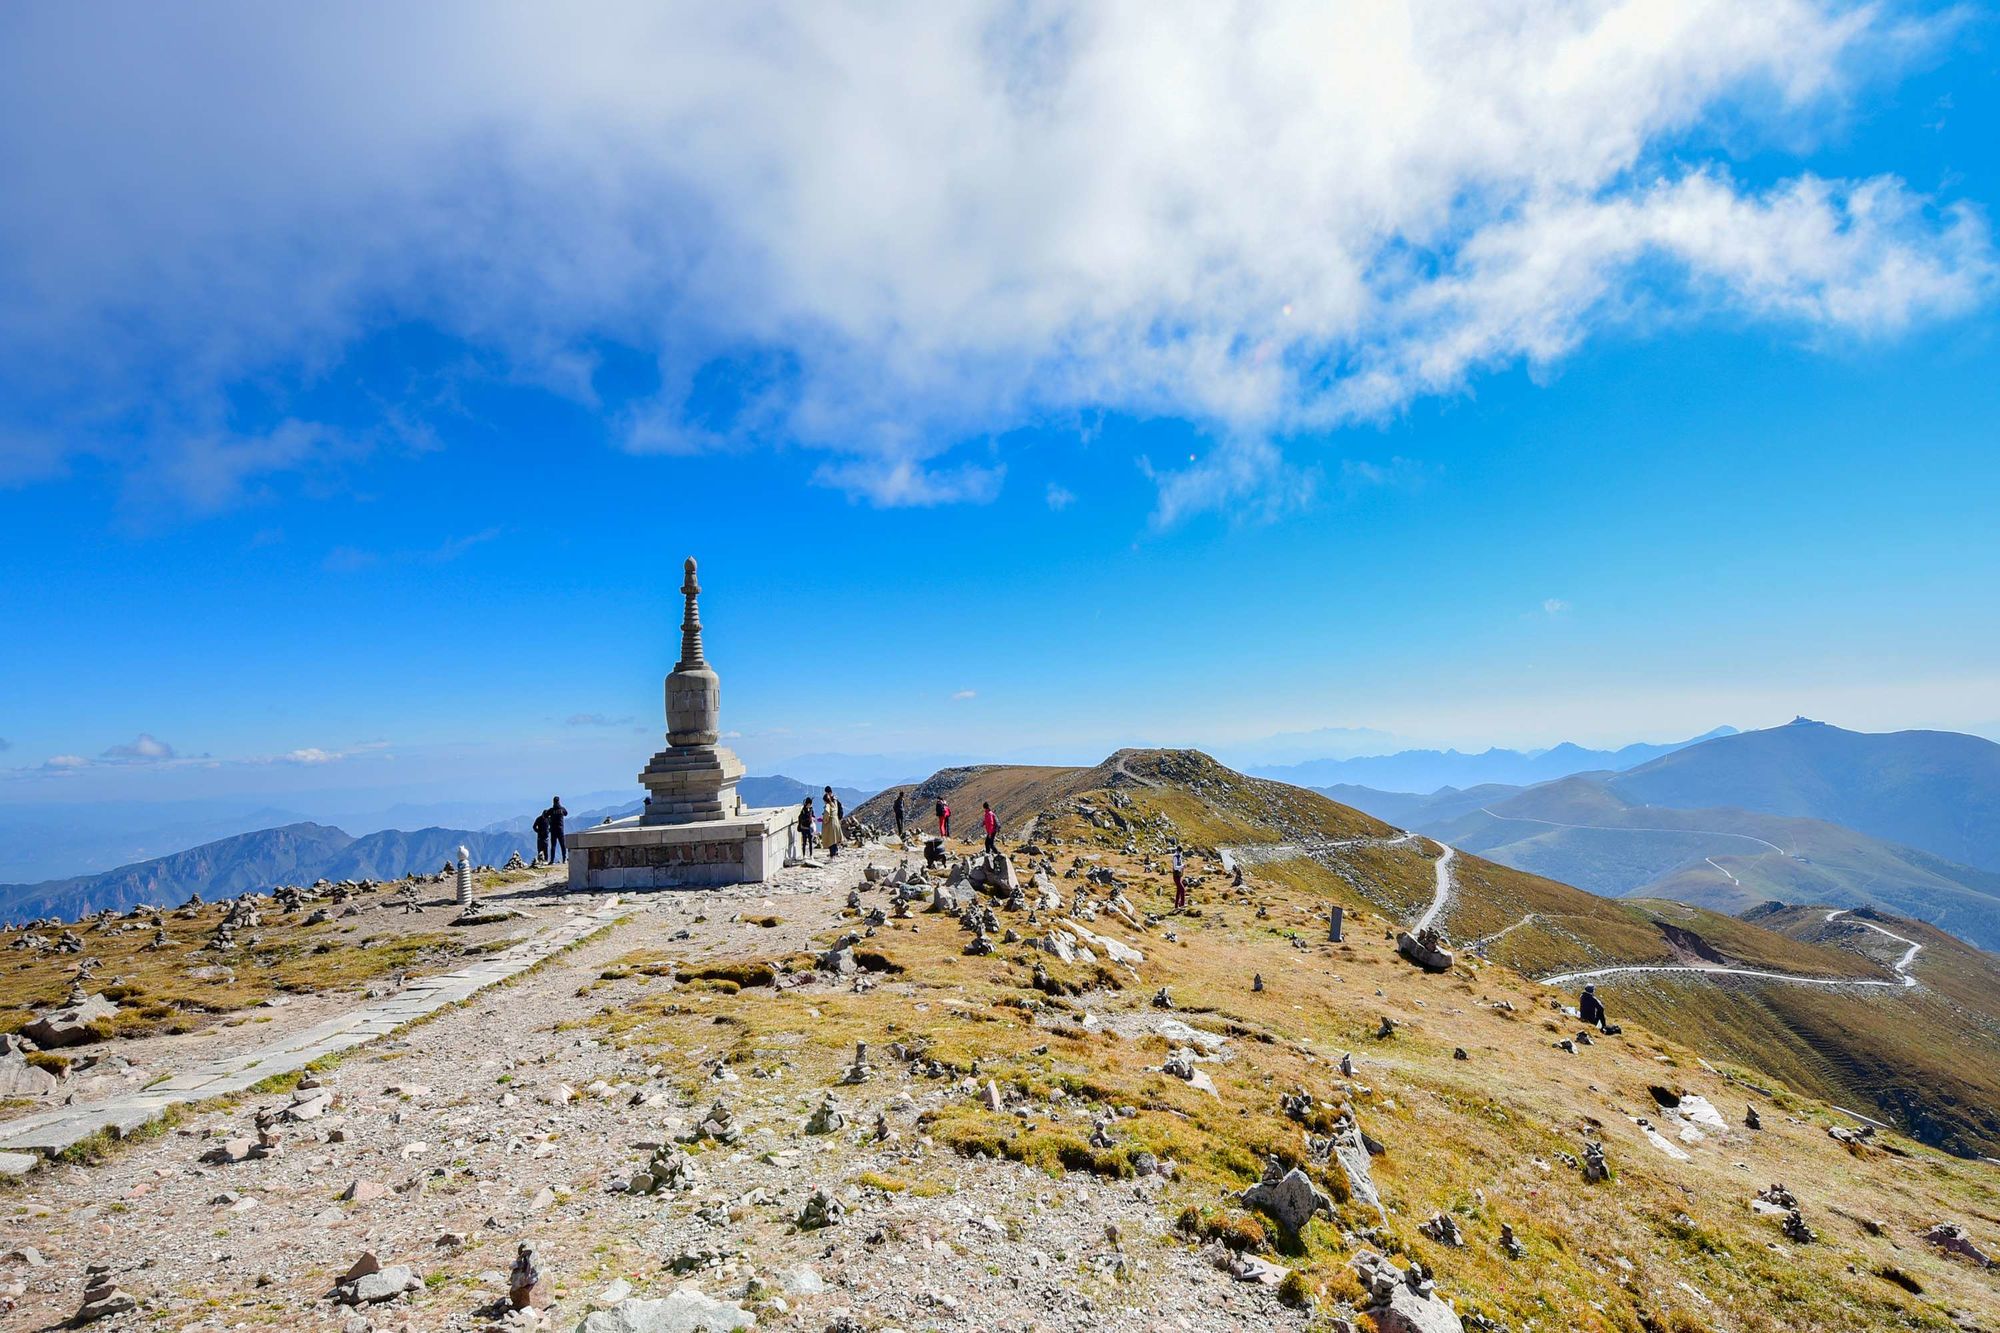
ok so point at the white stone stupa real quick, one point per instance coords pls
(695, 831)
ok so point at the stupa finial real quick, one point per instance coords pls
(690, 620)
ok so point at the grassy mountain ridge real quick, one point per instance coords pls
(1155, 799)
(1585, 830)
(1938, 791)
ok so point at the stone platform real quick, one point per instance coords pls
(626, 854)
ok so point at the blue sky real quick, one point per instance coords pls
(1028, 381)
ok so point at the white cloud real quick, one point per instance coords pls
(959, 696)
(310, 755)
(1060, 497)
(144, 749)
(1554, 606)
(65, 762)
(902, 231)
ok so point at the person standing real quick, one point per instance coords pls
(555, 815)
(542, 838)
(900, 837)
(944, 817)
(989, 824)
(1180, 881)
(805, 823)
(830, 831)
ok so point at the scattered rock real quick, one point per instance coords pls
(102, 1296)
(1954, 1239)
(527, 1286)
(821, 1209)
(1288, 1196)
(686, 1311)
(1403, 1300)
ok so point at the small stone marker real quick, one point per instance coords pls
(464, 877)
(1334, 916)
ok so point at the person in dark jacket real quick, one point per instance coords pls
(899, 818)
(555, 814)
(542, 838)
(1591, 1009)
(806, 827)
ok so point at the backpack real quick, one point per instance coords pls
(940, 809)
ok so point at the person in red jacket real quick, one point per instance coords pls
(990, 823)
(944, 817)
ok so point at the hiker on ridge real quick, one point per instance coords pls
(1180, 881)
(542, 838)
(898, 810)
(989, 823)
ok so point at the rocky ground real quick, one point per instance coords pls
(1075, 1110)
(505, 1121)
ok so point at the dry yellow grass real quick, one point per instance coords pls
(1664, 1245)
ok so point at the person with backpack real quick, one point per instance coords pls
(943, 818)
(989, 824)
(542, 838)
(805, 824)
(898, 810)
(555, 814)
(1180, 881)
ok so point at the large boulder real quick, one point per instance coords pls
(71, 1025)
(686, 1311)
(1425, 950)
(18, 1078)
(1288, 1196)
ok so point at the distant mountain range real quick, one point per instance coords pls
(1419, 771)
(292, 854)
(302, 851)
(1805, 813)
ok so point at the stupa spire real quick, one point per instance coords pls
(690, 621)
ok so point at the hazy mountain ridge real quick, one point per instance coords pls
(293, 854)
(1420, 771)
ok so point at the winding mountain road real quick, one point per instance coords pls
(1902, 965)
(1441, 896)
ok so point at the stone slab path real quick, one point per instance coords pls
(50, 1132)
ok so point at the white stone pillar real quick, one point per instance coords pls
(464, 877)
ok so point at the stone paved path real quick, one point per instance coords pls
(49, 1132)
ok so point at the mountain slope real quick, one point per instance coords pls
(222, 868)
(1581, 830)
(1937, 791)
(1148, 801)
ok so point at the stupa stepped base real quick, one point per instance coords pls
(692, 784)
(628, 854)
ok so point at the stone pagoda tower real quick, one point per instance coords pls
(695, 830)
(693, 778)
